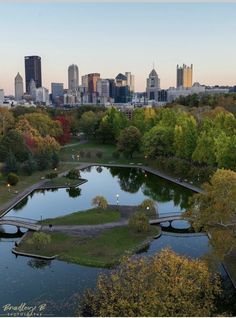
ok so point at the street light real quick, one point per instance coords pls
(9, 187)
(117, 200)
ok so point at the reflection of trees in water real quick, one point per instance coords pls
(39, 263)
(74, 192)
(158, 189)
(21, 204)
(162, 191)
(130, 179)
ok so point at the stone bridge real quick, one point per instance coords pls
(20, 222)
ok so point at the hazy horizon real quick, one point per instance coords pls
(112, 38)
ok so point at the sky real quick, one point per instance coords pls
(110, 38)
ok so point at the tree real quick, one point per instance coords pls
(148, 206)
(73, 174)
(100, 202)
(166, 284)
(65, 137)
(88, 123)
(39, 240)
(129, 141)
(158, 141)
(216, 205)
(214, 210)
(12, 179)
(138, 222)
(11, 164)
(6, 120)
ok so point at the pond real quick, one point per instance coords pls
(55, 283)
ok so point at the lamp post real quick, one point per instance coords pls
(9, 187)
(117, 200)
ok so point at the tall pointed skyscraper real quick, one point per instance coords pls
(73, 77)
(19, 89)
(153, 85)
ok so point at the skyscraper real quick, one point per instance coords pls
(130, 81)
(73, 77)
(153, 86)
(184, 76)
(33, 71)
(92, 86)
(19, 89)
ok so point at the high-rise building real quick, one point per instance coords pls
(19, 87)
(130, 81)
(122, 94)
(42, 96)
(33, 71)
(153, 86)
(92, 86)
(184, 76)
(73, 77)
(32, 89)
(57, 90)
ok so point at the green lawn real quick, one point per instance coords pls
(93, 216)
(26, 181)
(67, 152)
(104, 250)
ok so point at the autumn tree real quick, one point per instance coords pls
(129, 141)
(100, 202)
(166, 284)
(214, 210)
(6, 120)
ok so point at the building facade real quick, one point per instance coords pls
(153, 86)
(19, 87)
(184, 76)
(92, 87)
(33, 71)
(73, 77)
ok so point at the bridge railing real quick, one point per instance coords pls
(18, 219)
(160, 215)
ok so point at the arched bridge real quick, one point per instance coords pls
(167, 217)
(20, 222)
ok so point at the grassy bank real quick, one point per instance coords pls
(25, 182)
(104, 250)
(93, 216)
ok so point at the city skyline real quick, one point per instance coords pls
(128, 37)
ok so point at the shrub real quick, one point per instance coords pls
(73, 174)
(138, 222)
(148, 206)
(39, 239)
(12, 179)
(29, 166)
(100, 202)
(51, 175)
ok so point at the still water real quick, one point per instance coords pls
(56, 283)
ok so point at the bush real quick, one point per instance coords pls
(12, 179)
(99, 154)
(51, 175)
(73, 174)
(148, 206)
(138, 222)
(29, 166)
(39, 239)
(100, 202)
(116, 154)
